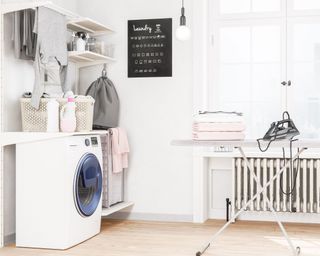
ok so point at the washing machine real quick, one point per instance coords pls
(58, 192)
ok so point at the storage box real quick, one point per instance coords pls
(35, 120)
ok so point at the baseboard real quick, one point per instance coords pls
(10, 239)
(308, 218)
(150, 217)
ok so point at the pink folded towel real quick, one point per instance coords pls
(218, 135)
(120, 149)
(218, 127)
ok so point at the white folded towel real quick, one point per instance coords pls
(218, 136)
(218, 117)
(218, 127)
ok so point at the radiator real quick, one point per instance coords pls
(304, 199)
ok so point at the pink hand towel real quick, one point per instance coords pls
(120, 149)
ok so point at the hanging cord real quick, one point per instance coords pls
(268, 145)
(293, 173)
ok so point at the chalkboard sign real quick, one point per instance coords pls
(150, 48)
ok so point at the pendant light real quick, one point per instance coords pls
(183, 33)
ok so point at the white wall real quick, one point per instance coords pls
(153, 110)
(18, 78)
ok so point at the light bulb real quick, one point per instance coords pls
(183, 33)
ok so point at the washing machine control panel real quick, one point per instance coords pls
(94, 141)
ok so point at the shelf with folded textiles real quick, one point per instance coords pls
(88, 58)
(115, 208)
(88, 25)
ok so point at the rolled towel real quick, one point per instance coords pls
(218, 127)
(218, 136)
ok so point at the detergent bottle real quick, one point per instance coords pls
(68, 122)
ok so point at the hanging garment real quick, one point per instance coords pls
(119, 149)
(51, 57)
(23, 37)
(107, 105)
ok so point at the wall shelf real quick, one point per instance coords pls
(88, 25)
(115, 208)
(88, 58)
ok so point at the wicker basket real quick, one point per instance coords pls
(35, 120)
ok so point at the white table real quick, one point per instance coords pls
(239, 145)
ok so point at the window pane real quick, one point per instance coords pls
(266, 5)
(235, 82)
(266, 43)
(306, 41)
(235, 44)
(266, 83)
(234, 6)
(306, 4)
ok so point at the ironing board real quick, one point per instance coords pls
(302, 145)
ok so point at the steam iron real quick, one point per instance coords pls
(283, 129)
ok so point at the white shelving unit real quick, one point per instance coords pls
(116, 208)
(89, 26)
(12, 138)
(80, 59)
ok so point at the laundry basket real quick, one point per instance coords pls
(35, 120)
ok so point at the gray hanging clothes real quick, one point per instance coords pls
(107, 104)
(51, 58)
(23, 38)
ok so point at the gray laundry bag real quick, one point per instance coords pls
(107, 105)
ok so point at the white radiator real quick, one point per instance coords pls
(304, 199)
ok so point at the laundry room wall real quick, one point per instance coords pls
(18, 77)
(153, 110)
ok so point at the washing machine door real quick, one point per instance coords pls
(88, 185)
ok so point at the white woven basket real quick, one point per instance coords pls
(35, 120)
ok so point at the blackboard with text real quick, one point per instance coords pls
(150, 48)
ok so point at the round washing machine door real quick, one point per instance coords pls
(88, 185)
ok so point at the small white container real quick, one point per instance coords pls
(81, 45)
(53, 116)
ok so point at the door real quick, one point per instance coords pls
(88, 185)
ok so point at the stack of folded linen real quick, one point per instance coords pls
(218, 126)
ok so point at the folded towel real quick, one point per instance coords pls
(218, 135)
(120, 149)
(218, 127)
(218, 118)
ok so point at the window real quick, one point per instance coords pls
(257, 45)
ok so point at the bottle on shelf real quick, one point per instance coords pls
(68, 121)
(52, 116)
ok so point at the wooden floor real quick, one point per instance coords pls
(132, 238)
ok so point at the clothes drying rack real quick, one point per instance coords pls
(302, 146)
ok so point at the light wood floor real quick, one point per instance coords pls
(132, 238)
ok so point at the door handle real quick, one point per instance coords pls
(284, 83)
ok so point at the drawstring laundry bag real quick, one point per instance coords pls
(107, 105)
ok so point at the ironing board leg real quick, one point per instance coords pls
(262, 189)
(296, 251)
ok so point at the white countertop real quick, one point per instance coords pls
(12, 138)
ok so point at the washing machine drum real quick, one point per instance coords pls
(88, 185)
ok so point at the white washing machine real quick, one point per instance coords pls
(58, 192)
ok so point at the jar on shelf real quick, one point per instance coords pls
(91, 44)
